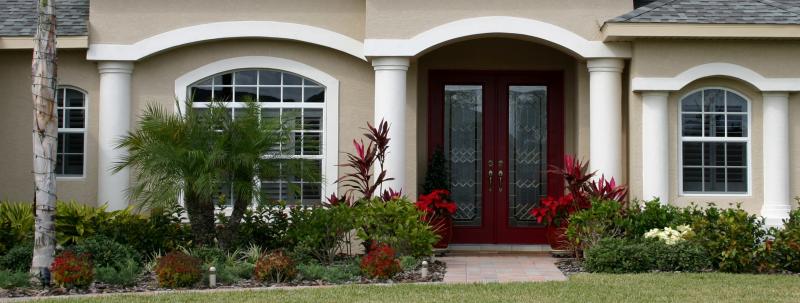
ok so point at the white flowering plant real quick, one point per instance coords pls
(670, 235)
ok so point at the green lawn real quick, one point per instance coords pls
(580, 288)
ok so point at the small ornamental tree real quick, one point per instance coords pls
(70, 270)
(438, 174)
(364, 180)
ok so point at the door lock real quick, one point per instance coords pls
(500, 175)
(491, 174)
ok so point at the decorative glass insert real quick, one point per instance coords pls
(463, 140)
(281, 95)
(527, 152)
(714, 142)
(70, 154)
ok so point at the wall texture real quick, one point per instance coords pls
(16, 180)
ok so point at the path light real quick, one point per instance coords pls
(424, 270)
(212, 277)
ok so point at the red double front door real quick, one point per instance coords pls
(500, 132)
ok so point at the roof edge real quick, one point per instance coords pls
(613, 31)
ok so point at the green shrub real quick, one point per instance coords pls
(123, 275)
(652, 214)
(16, 224)
(18, 258)
(107, 253)
(207, 255)
(275, 267)
(785, 247)
(730, 236)
(619, 255)
(603, 220)
(177, 269)
(334, 273)
(321, 233)
(162, 230)
(14, 279)
(408, 263)
(396, 223)
(266, 225)
(76, 221)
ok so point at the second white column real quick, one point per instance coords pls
(390, 105)
(605, 116)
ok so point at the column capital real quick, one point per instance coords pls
(391, 63)
(782, 95)
(605, 65)
(115, 67)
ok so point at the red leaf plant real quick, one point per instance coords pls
(436, 204)
(363, 179)
(380, 262)
(580, 188)
(391, 195)
(72, 271)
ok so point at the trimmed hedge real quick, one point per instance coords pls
(617, 255)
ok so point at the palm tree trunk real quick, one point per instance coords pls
(231, 231)
(45, 135)
(201, 217)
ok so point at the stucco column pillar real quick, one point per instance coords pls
(777, 189)
(605, 116)
(655, 146)
(390, 105)
(115, 121)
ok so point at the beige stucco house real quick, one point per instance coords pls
(685, 100)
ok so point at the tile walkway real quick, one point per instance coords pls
(482, 268)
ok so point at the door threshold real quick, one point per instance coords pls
(499, 248)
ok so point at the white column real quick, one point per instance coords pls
(605, 116)
(390, 105)
(115, 121)
(777, 190)
(655, 146)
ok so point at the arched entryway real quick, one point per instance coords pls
(503, 111)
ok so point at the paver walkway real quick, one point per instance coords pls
(472, 268)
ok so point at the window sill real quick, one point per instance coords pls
(71, 178)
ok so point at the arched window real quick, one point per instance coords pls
(281, 95)
(71, 152)
(715, 139)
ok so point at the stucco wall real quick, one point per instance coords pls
(404, 19)
(670, 58)
(16, 164)
(154, 77)
(506, 54)
(125, 22)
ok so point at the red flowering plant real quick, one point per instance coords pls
(72, 271)
(437, 204)
(581, 189)
(364, 180)
(380, 262)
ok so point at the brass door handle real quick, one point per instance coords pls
(491, 174)
(500, 175)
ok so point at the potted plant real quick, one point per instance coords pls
(439, 211)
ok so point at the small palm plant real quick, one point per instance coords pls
(193, 154)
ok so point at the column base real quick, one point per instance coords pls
(774, 215)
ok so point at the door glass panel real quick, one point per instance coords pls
(527, 152)
(463, 148)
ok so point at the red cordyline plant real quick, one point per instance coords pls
(437, 204)
(581, 189)
(363, 179)
(72, 271)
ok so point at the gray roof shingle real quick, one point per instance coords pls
(715, 12)
(18, 17)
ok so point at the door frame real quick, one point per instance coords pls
(500, 232)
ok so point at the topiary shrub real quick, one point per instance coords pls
(177, 269)
(18, 258)
(106, 252)
(618, 255)
(70, 270)
(380, 262)
(275, 267)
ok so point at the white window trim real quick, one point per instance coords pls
(84, 130)
(330, 138)
(747, 140)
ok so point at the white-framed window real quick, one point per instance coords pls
(281, 95)
(714, 149)
(71, 104)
